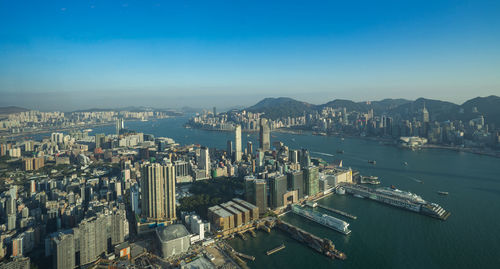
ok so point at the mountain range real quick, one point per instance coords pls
(489, 107)
(11, 110)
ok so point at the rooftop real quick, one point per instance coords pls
(244, 203)
(171, 232)
(221, 212)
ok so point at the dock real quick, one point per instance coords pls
(342, 213)
(242, 236)
(324, 246)
(265, 228)
(322, 196)
(276, 249)
(423, 207)
(243, 255)
(252, 232)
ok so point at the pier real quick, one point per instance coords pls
(422, 207)
(345, 214)
(242, 236)
(322, 196)
(252, 232)
(248, 257)
(323, 246)
(323, 219)
(276, 249)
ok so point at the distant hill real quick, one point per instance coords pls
(377, 106)
(11, 110)
(438, 110)
(387, 104)
(348, 104)
(284, 107)
(187, 109)
(281, 107)
(489, 107)
(129, 108)
(95, 110)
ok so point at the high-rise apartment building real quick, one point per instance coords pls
(33, 163)
(158, 192)
(63, 251)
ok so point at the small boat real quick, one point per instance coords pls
(370, 180)
(340, 151)
(442, 192)
(405, 163)
(358, 196)
(342, 138)
(372, 161)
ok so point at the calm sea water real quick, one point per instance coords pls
(382, 236)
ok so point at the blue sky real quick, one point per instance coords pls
(76, 54)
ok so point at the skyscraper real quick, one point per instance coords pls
(229, 148)
(305, 158)
(260, 195)
(296, 182)
(237, 141)
(119, 125)
(264, 135)
(277, 189)
(250, 189)
(425, 122)
(99, 140)
(158, 192)
(293, 156)
(256, 193)
(204, 162)
(311, 180)
(425, 114)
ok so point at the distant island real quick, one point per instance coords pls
(472, 126)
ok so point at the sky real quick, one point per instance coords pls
(67, 55)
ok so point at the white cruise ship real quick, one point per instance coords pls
(405, 195)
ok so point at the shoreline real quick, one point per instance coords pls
(46, 131)
(385, 141)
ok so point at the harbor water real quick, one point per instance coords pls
(382, 236)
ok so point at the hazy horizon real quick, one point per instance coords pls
(246, 101)
(66, 56)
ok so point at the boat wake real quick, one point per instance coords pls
(322, 153)
(415, 179)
